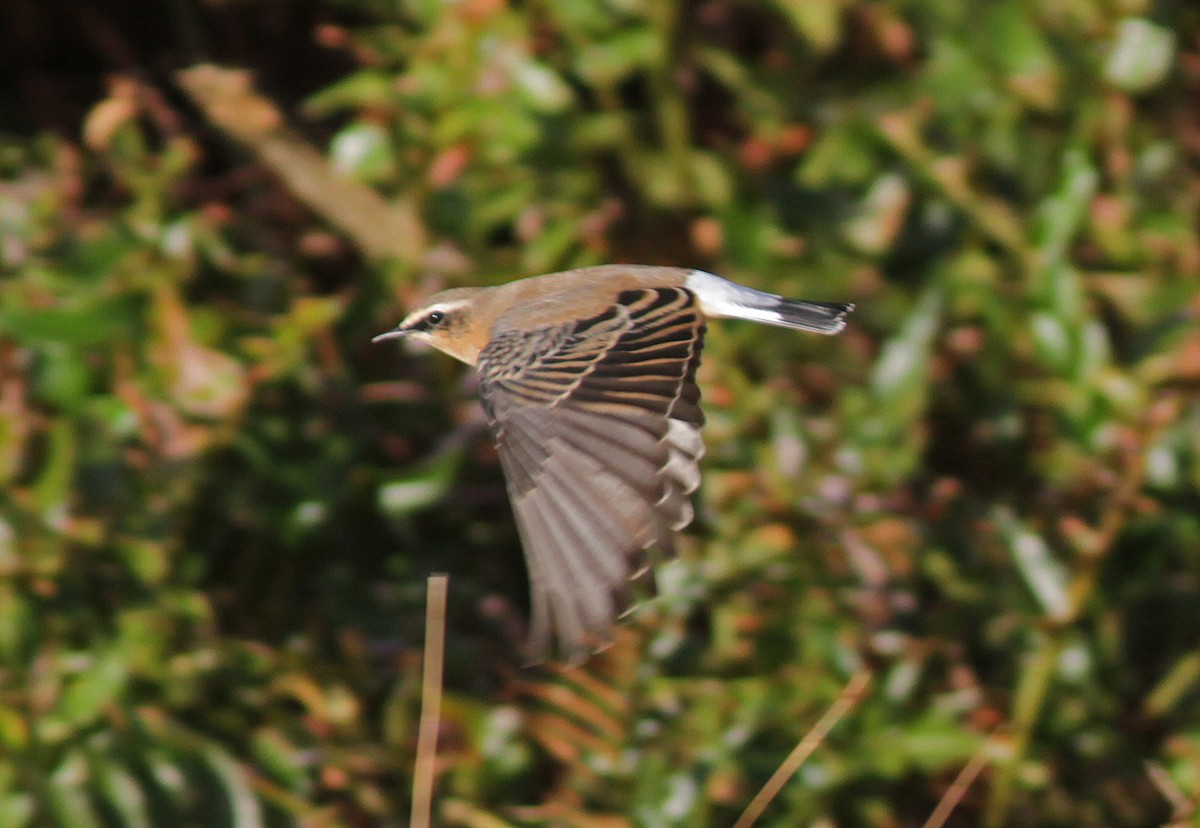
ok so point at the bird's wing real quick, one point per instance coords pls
(598, 428)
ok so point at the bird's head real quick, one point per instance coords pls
(449, 321)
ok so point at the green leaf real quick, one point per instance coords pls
(1045, 576)
(1052, 340)
(94, 689)
(14, 731)
(712, 180)
(67, 793)
(610, 61)
(1017, 42)
(549, 250)
(166, 772)
(244, 808)
(362, 89)
(62, 376)
(120, 790)
(903, 365)
(541, 87)
(817, 21)
(52, 490)
(76, 323)
(406, 495)
(934, 743)
(148, 560)
(281, 758)
(1060, 218)
(881, 215)
(15, 618)
(16, 809)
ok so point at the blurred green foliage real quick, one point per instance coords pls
(218, 503)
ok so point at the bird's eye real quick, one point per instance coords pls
(435, 318)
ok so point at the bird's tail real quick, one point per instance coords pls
(818, 317)
(723, 299)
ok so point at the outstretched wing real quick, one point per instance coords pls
(598, 428)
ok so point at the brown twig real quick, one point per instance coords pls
(1183, 810)
(958, 788)
(850, 696)
(431, 700)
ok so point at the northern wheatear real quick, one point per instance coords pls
(588, 378)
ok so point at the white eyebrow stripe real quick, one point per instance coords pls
(445, 307)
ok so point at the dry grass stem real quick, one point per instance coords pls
(431, 700)
(958, 788)
(1183, 809)
(850, 696)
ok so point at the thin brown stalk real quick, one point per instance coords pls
(1183, 810)
(846, 701)
(958, 788)
(431, 700)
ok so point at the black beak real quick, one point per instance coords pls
(395, 333)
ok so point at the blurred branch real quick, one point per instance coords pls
(383, 231)
(847, 700)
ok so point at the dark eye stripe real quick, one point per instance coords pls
(431, 320)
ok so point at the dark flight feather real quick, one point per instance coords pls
(598, 428)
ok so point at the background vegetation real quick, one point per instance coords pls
(219, 503)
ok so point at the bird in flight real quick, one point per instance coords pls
(588, 379)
